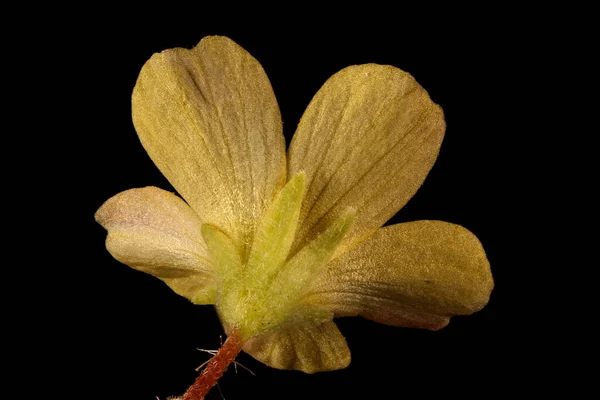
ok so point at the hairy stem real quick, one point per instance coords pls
(215, 368)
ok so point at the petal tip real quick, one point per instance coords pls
(103, 213)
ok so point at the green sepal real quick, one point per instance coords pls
(299, 271)
(276, 231)
(225, 253)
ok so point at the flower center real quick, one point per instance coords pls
(266, 291)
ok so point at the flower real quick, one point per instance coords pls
(281, 243)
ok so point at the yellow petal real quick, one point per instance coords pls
(367, 140)
(154, 231)
(416, 274)
(209, 120)
(196, 288)
(308, 346)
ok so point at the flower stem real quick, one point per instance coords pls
(215, 368)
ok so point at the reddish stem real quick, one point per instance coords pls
(215, 368)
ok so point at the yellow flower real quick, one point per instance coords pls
(281, 243)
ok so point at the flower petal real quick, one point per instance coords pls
(308, 346)
(154, 231)
(367, 140)
(209, 119)
(416, 274)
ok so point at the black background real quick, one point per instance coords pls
(135, 339)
